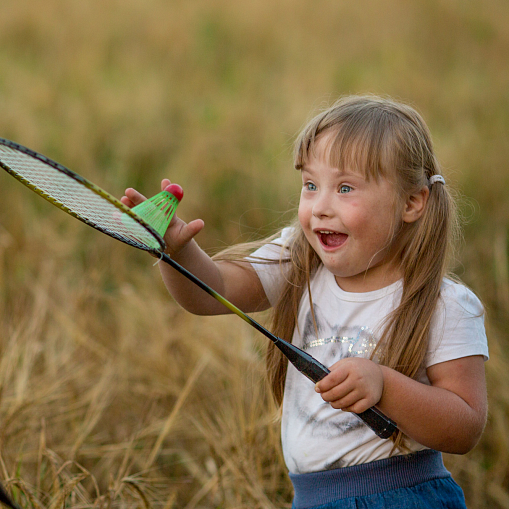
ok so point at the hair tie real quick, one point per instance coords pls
(436, 178)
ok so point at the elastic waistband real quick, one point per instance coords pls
(318, 488)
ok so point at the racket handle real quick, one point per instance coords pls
(315, 371)
(378, 422)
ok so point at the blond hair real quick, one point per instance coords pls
(379, 138)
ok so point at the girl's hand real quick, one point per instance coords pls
(353, 385)
(179, 234)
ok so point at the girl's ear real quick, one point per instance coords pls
(415, 205)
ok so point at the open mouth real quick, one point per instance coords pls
(330, 238)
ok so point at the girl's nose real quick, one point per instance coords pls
(323, 206)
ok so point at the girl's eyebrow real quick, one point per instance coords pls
(305, 169)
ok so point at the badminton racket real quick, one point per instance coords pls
(136, 227)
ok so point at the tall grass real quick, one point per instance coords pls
(112, 396)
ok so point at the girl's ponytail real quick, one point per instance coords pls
(426, 256)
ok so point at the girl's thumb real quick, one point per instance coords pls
(191, 229)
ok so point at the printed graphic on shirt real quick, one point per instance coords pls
(352, 341)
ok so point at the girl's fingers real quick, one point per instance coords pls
(179, 234)
(349, 400)
(164, 184)
(190, 230)
(333, 379)
(195, 226)
(127, 202)
(346, 403)
(342, 393)
(358, 407)
(132, 197)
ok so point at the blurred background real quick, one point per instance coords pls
(110, 394)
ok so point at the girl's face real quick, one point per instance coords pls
(350, 222)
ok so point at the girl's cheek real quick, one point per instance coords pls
(303, 213)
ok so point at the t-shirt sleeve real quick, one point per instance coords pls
(458, 326)
(270, 265)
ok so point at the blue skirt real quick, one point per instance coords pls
(414, 481)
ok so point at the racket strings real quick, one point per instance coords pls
(78, 197)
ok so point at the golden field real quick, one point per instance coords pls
(110, 394)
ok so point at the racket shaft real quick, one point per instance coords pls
(305, 363)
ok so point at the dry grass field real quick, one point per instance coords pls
(112, 396)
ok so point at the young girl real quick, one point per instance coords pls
(360, 282)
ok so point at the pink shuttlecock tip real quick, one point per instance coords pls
(175, 190)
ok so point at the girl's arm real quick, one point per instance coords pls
(449, 415)
(236, 281)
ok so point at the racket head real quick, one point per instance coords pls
(79, 197)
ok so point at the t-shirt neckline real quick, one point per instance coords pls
(360, 297)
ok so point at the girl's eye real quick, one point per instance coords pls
(309, 186)
(345, 189)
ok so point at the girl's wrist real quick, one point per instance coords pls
(386, 373)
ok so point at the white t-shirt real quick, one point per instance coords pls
(317, 437)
